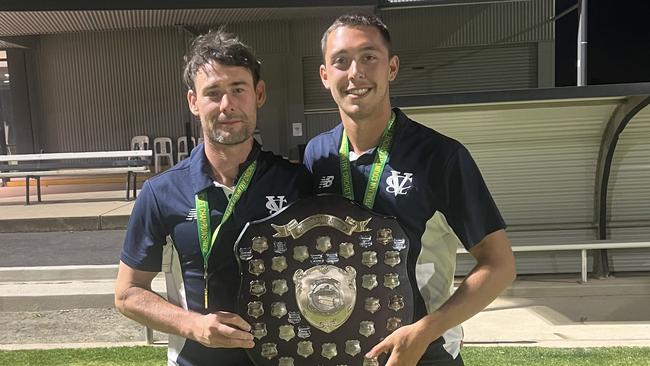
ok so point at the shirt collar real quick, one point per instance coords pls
(200, 166)
(354, 156)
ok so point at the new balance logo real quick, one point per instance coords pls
(191, 216)
(326, 181)
(275, 203)
(399, 184)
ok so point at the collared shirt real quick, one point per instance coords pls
(162, 236)
(436, 191)
(354, 156)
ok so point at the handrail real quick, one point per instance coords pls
(72, 172)
(582, 247)
(77, 155)
(579, 246)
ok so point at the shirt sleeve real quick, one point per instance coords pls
(470, 210)
(145, 234)
(308, 158)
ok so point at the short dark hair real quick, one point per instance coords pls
(222, 47)
(358, 20)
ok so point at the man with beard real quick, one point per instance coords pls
(186, 220)
(398, 167)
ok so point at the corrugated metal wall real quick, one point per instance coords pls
(306, 34)
(629, 259)
(539, 161)
(264, 37)
(457, 48)
(445, 70)
(480, 24)
(628, 214)
(17, 23)
(99, 89)
(314, 93)
(320, 122)
(453, 70)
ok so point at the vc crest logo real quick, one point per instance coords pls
(399, 184)
(275, 203)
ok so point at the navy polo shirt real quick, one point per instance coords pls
(433, 187)
(162, 236)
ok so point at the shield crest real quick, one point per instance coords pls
(326, 295)
(338, 286)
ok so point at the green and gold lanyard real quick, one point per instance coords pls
(203, 220)
(377, 166)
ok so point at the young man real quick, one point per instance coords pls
(186, 220)
(398, 167)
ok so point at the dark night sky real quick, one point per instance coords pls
(618, 42)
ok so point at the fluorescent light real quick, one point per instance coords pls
(6, 75)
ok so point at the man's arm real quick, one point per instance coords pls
(493, 272)
(135, 299)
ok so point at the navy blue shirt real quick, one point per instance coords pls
(162, 236)
(433, 187)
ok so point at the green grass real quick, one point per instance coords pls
(525, 356)
(118, 356)
(537, 356)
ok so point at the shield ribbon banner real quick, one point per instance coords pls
(323, 281)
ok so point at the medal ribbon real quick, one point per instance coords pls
(376, 170)
(203, 219)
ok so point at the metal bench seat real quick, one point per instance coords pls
(35, 166)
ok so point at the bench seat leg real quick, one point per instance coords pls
(135, 185)
(38, 188)
(27, 189)
(131, 183)
(128, 185)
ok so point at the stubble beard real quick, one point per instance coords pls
(218, 136)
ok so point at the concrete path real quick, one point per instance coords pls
(60, 248)
(556, 311)
(63, 209)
